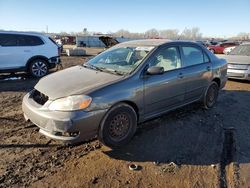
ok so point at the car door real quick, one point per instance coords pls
(197, 71)
(165, 91)
(14, 54)
(8, 56)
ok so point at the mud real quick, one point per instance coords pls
(189, 147)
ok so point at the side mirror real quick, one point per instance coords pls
(155, 70)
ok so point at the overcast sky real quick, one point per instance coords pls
(213, 17)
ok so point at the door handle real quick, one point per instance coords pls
(180, 76)
(208, 68)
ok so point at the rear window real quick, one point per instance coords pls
(19, 40)
(241, 50)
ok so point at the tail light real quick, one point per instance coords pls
(59, 51)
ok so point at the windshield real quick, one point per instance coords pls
(119, 60)
(241, 50)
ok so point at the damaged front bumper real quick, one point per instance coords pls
(70, 127)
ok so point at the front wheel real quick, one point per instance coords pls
(118, 126)
(38, 68)
(211, 95)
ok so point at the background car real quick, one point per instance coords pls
(30, 52)
(238, 62)
(228, 50)
(219, 48)
(125, 85)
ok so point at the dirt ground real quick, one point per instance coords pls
(189, 147)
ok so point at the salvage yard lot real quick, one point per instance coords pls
(189, 147)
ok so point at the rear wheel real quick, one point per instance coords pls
(38, 68)
(118, 126)
(211, 95)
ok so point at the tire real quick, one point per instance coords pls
(38, 68)
(211, 95)
(118, 126)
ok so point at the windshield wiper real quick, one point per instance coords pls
(117, 72)
(92, 67)
(103, 69)
(112, 71)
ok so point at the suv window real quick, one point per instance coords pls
(26, 40)
(168, 58)
(8, 40)
(19, 40)
(193, 56)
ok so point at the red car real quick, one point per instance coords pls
(219, 48)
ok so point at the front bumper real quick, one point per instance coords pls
(71, 127)
(54, 61)
(238, 74)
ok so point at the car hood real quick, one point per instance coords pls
(73, 81)
(236, 59)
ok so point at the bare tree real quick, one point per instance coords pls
(63, 33)
(191, 34)
(122, 33)
(169, 34)
(152, 33)
(243, 36)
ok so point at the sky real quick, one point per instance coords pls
(215, 18)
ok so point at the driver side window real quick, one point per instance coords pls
(168, 58)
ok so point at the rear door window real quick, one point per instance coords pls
(193, 55)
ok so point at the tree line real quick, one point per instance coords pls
(174, 34)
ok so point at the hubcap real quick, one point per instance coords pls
(39, 68)
(211, 95)
(119, 126)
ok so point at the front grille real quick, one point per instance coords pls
(39, 97)
(237, 75)
(237, 66)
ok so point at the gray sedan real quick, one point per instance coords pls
(129, 83)
(238, 62)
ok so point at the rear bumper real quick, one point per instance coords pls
(238, 74)
(70, 127)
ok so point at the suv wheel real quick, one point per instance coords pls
(211, 95)
(38, 68)
(118, 126)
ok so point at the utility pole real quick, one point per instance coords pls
(47, 29)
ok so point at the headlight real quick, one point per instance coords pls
(71, 103)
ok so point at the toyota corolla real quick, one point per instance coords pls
(128, 84)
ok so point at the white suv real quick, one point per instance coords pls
(30, 52)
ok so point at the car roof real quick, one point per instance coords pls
(152, 42)
(23, 33)
(144, 42)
